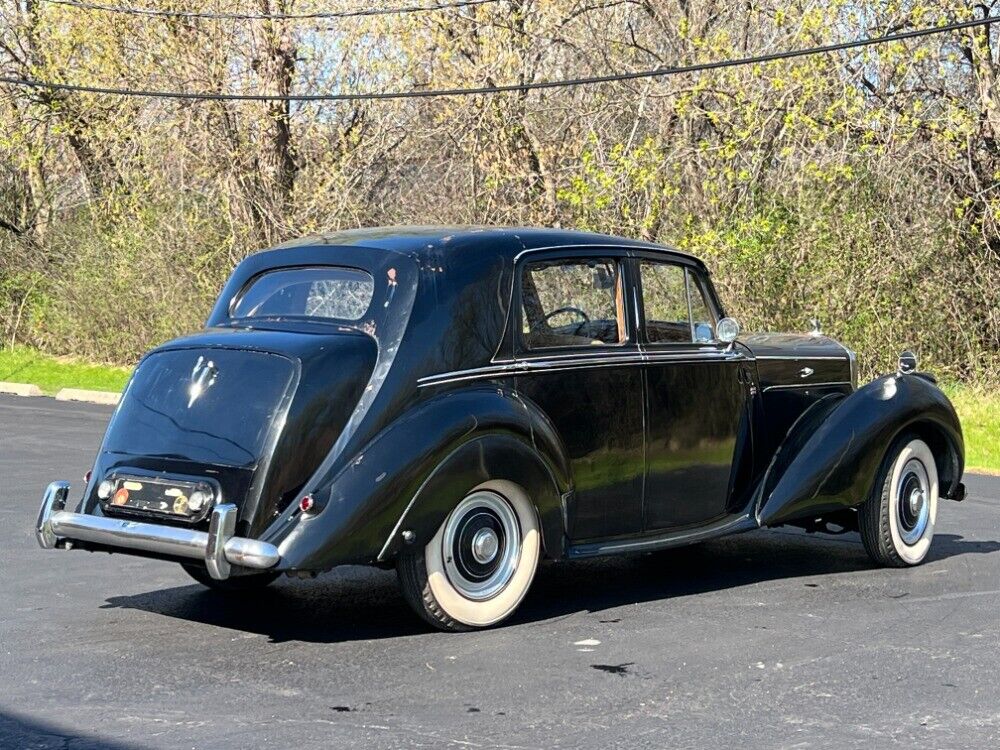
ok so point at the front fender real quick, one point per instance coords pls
(830, 457)
(412, 474)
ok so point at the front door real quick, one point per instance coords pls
(582, 368)
(698, 439)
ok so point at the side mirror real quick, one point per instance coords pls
(727, 330)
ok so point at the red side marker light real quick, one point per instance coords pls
(307, 503)
(86, 477)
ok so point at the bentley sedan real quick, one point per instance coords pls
(459, 403)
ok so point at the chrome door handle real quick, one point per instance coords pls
(805, 372)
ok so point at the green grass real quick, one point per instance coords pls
(23, 365)
(979, 411)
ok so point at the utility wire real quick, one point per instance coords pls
(165, 13)
(520, 87)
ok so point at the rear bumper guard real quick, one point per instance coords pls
(219, 549)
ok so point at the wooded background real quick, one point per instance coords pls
(861, 188)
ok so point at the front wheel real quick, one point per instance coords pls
(480, 563)
(897, 520)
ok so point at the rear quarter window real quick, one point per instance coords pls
(324, 292)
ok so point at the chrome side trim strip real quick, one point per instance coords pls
(219, 549)
(790, 386)
(577, 361)
(798, 358)
(714, 356)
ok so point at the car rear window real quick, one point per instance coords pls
(315, 292)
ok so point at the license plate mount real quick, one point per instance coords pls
(163, 496)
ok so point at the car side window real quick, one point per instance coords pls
(676, 309)
(572, 303)
(665, 301)
(702, 318)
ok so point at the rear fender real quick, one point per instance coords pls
(481, 459)
(411, 475)
(828, 461)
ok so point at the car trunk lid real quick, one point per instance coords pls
(205, 406)
(256, 411)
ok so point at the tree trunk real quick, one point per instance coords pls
(277, 73)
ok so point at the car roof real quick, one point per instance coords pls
(510, 241)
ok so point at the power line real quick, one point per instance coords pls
(165, 13)
(520, 87)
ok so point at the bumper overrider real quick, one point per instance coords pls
(219, 549)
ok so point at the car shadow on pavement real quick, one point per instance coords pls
(19, 731)
(728, 563)
(354, 603)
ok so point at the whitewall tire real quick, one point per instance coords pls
(897, 521)
(479, 565)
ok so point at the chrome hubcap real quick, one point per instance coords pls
(912, 508)
(485, 545)
(481, 545)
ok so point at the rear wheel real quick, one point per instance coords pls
(236, 584)
(480, 563)
(897, 520)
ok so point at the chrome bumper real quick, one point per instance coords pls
(219, 549)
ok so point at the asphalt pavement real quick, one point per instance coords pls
(773, 639)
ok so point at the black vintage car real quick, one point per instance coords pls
(461, 402)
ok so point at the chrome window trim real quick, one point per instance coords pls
(635, 310)
(610, 246)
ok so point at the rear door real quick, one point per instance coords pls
(697, 393)
(580, 364)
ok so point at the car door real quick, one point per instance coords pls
(697, 389)
(580, 364)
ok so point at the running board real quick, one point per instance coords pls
(729, 525)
